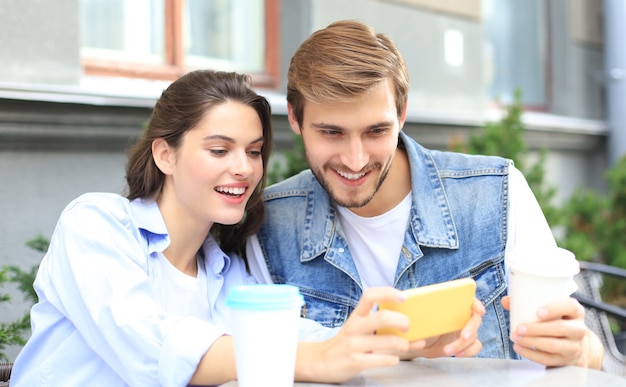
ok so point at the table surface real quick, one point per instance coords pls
(452, 372)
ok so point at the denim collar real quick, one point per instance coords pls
(431, 219)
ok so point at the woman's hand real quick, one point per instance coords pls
(356, 346)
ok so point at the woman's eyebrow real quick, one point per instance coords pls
(260, 139)
(219, 137)
(230, 139)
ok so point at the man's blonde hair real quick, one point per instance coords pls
(343, 61)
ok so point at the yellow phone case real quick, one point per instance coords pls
(434, 309)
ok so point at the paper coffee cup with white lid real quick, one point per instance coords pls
(538, 277)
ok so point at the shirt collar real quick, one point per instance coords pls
(148, 218)
(215, 260)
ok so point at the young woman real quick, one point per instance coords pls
(132, 289)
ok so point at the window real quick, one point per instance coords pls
(516, 51)
(162, 39)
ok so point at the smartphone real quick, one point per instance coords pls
(434, 309)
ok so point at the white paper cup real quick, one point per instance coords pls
(265, 323)
(538, 277)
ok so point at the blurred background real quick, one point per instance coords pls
(78, 79)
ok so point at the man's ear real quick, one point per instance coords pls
(403, 116)
(163, 155)
(293, 122)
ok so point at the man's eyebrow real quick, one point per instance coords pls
(323, 125)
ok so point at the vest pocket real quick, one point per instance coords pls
(490, 281)
(327, 309)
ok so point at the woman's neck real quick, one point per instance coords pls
(186, 239)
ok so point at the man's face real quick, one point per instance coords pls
(350, 145)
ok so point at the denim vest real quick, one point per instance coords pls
(457, 228)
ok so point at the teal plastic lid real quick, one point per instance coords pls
(264, 297)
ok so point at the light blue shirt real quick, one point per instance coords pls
(100, 320)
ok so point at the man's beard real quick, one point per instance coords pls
(352, 201)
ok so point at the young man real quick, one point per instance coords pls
(377, 209)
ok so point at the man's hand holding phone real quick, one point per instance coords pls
(462, 343)
(444, 319)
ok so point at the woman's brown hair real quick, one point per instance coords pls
(179, 109)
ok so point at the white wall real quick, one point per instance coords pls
(34, 189)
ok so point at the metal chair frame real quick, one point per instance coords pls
(590, 281)
(5, 373)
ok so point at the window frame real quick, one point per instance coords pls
(174, 52)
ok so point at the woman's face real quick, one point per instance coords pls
(217, 166)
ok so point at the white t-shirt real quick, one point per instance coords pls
(527, 226)
(181, 294)
(376, 242)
